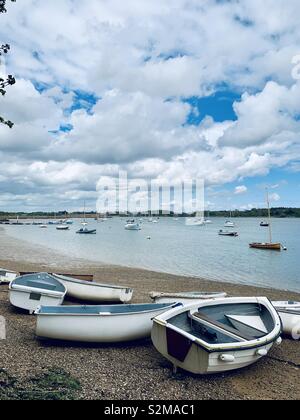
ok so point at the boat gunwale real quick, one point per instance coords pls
(226, 347)
(107, 314)
(288, 311)
(215, 348)
(90, 284)
(15, 287)
(188, 295)
(42, 292)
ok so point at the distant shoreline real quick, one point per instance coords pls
(276, 212)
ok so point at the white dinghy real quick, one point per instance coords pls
(289, 313)
(95, 292)
(185, 297)
(217, 335)
(6, 276)
(30, 291)
(98, 324)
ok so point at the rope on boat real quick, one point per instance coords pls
(288, 362)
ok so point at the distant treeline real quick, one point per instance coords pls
(281, 212)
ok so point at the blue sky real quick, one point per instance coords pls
(166, 92)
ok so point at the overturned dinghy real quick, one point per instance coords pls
(6, 276)
(98, 324)
(31, 291)
(217, 335)
(95, 292)
(289, 313)
(185, 297)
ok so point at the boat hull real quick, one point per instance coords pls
(199, 361)
(97, 328)
(30, 300)
(289, 313)
(266, 246)
(93, 292)
(133, 227)
(290, 323)
(6, 276)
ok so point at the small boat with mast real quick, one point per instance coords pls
(229, 223)
(84, 230)
(272, 246)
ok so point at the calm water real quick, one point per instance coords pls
(179, 249)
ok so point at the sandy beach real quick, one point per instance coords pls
(134, 370)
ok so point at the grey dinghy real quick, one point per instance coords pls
(95, 292)
(98, 324)
(30, 291)
(6, 276)
(217, 335)
(289, 313)
(185, 297)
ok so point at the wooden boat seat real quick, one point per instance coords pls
(203, 317)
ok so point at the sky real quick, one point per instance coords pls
(165, 90)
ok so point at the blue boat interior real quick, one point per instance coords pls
(209, 320)
(95, 310)
(40, 281)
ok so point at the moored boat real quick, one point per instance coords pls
(95, 292)
(229, 224)
(228, 233)
(271, 246)
(98, 324)
(30, 291)
(266, 245)
(6, 276)
(86, 231)
(217, 335)
(185, 297)
(132, 225)
(289, 313)
(63, 227)
(264, 224)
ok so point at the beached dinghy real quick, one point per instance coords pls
(185, 297)
(95, 292)
(289, 313)
(98, 324)
(31, 291)
(217, 335)
(6, 276)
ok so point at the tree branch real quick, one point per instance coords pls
(2, 6)
(4, 49)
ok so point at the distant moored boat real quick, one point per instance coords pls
(271, 246)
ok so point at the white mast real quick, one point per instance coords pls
(269, 215)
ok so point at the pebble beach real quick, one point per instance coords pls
(134, 370)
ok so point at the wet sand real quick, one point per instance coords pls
(134, 370)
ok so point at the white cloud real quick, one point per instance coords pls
(141, 59)
(241, 189)
(274, 197)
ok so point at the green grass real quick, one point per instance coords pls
(54, 384)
